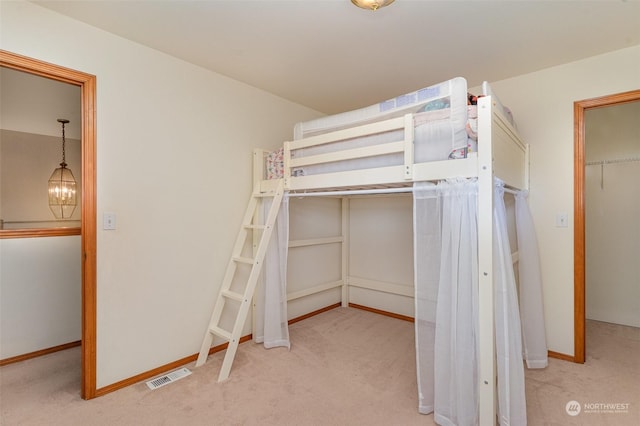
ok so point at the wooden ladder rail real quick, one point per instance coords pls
(244, 298)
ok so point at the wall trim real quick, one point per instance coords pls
(191, 358)
(381, 312)
(162, 369)
(39, 233)
(38, 353)
(558, 355)
(314, 313)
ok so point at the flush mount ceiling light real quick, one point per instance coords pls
(372, 4)
(62, 186)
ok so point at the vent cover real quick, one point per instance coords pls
(158, 382)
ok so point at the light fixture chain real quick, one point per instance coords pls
(63, 121)
(63, 146)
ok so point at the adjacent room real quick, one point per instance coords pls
(294, 212)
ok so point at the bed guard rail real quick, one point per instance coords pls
(405, 145)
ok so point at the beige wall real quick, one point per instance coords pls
(26, 163)
(174, 163)
(40, 294)
(31, 144)
(162, 124)
(542, 103)
(381, 249)
(313, 218)
(32, 104)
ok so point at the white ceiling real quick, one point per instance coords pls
(332, 56)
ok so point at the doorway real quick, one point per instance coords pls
(87, 84)
(580, 108)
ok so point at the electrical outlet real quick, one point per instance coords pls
(109, 221)
(562, 220)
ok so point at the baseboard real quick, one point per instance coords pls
(162, 369)
(551, 354)
(186, 360)
(38, 353)
(561, 356)
(314, 313)
(179, 363)
(381, 312)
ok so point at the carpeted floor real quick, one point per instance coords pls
(346, 367)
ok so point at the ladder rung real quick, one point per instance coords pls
(246, 260)
(259, 252)
(220, 332)
(255, 226)
(232, 295)
(264, 194)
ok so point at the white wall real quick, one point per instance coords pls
(308, 266)
(174, 163)
(612, 208)
(542, 104)
(32, 104)
(381, 249)
(40, 297)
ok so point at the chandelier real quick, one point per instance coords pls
(62, 186)
(372, 4)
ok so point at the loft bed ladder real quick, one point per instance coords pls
(242, 297)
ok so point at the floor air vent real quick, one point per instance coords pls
(158, 382)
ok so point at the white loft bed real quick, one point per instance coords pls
(386, 146)
(381, 149)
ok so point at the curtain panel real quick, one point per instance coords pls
(270, 323)
(446, 303)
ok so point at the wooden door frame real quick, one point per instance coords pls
(579, 241)
(87, 85)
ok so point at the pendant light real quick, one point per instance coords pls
(62, 186)
(372, 4)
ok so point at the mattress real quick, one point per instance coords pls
(440, 119)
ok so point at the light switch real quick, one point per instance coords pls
(109, 221)
(562, 220)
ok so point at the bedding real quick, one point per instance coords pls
(440, 123)
(275, 164)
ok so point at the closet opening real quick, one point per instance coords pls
(581, 162)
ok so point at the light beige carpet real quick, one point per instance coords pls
(346, 367)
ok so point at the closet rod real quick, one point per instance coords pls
(352, 192)
(621, 160)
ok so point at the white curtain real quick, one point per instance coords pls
(531, 304)
(446, 291)
(426, 241)
(271, 326)
(452, 268)
(456, 344)
(512, 408)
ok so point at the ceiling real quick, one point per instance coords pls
(332, 56)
